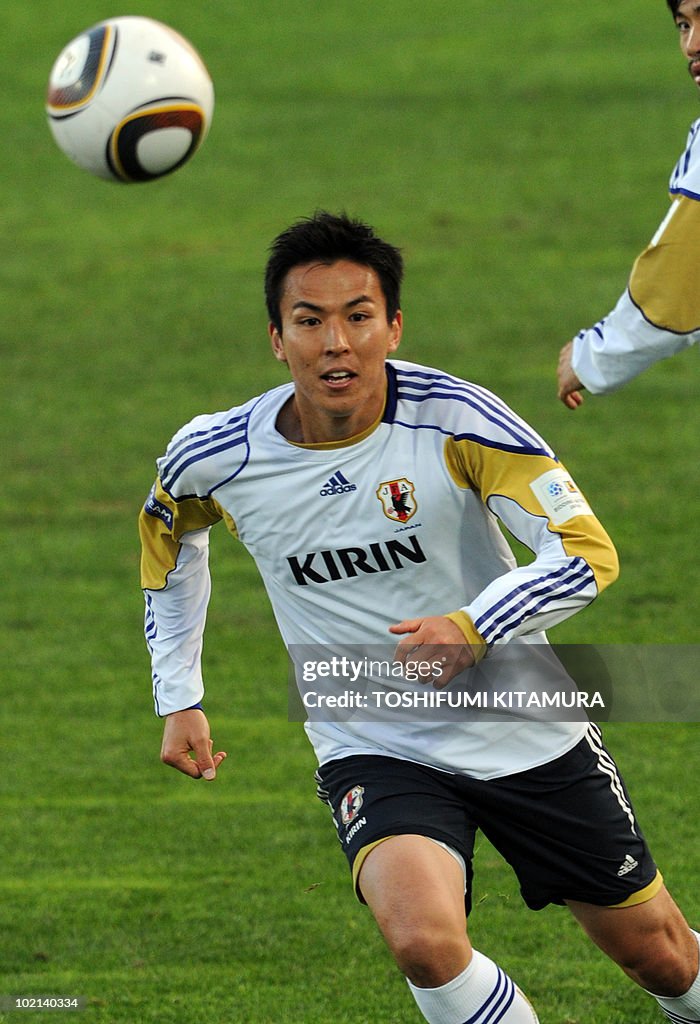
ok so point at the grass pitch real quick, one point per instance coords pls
(521, 167)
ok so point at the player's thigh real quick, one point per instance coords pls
(411, 882)
(415, 890)
(376, 797)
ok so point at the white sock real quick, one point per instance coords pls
(683, 1009)
(481, 994)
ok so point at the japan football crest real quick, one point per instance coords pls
(397, 499)
(351, 804)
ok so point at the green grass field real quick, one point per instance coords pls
(520, 158)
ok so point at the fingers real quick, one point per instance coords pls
(187, 745)
(572, 400)
(202, 766)
(436, 641)
(568, 390)
(406, 626)
(409, 643)
(183, 763)
(205, 761)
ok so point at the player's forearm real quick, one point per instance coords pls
(174, 627)
(575, 560)
(175, 645)
(536, 499)
(621, 346)
(530, 599)
(174, 631)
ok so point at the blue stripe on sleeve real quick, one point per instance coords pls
(532, 597)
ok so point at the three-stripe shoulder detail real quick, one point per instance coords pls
(193, 446)
(508, 431)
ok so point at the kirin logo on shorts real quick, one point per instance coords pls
(350, 804)
(397, 499)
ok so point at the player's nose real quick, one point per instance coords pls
(336, 337)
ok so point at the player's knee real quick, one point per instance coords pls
(429, 956)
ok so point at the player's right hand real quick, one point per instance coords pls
(187, 745)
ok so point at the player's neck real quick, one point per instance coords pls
(310, 427)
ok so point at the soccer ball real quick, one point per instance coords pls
(129, 100)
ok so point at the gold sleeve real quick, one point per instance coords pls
(512, 475)
(665, 280)
(162, 523)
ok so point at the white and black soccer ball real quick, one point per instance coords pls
(129, 100)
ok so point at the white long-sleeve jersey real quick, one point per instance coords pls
(659, 313)
(399, 522)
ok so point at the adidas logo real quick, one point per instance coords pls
(628, 864)
(337, 485)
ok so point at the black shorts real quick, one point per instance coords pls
(567, 828)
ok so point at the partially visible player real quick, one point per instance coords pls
(368, 491)
(659, 313)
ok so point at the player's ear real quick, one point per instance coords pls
(276, 342)
(395, 332)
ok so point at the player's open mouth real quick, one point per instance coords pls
(694, 68)
(338, 378)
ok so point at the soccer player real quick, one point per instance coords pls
(368, 490)
(659, 313)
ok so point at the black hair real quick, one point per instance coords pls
(673, 6)
(326, 238)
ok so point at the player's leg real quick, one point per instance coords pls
(653, 944)
(415, 889)
(574, 838)
(385, 810)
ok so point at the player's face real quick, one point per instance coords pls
(688, 22)
(335, 338)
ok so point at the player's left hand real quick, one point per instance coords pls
(569, 386)
(434, 639)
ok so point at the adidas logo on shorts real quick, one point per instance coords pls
(628, 864)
